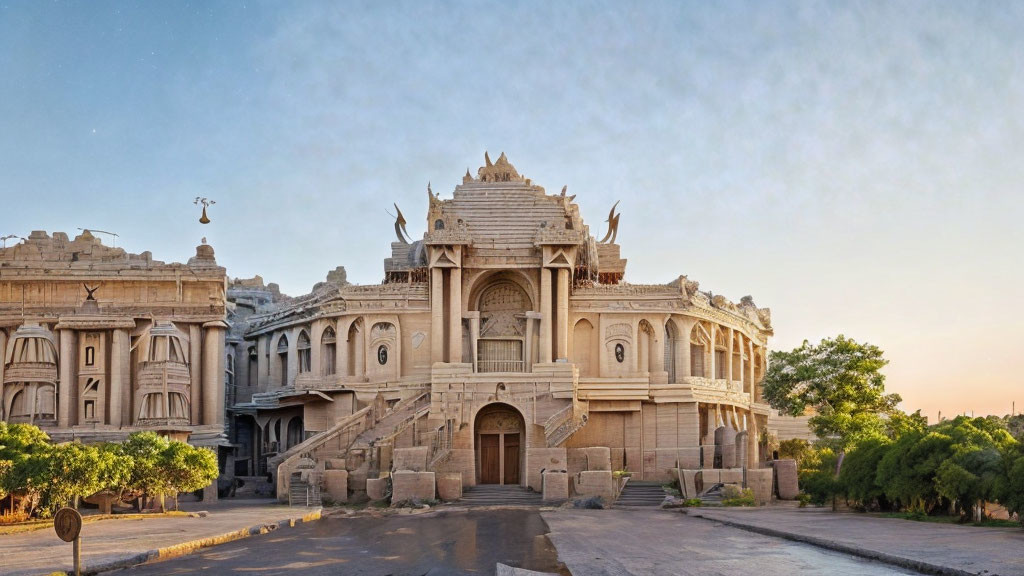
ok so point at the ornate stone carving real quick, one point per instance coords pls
(502, 308)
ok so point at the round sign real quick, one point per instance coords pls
(67, 523)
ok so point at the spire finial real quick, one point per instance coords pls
(487, 159)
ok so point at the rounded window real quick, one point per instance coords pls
(382, 355)
(620, 353)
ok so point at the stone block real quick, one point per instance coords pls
(556, 486)
(449, 485)
(596, 483)
(688, 482)
(786, 481)
(760, 481)
(407, 485)
(538, 459)
(413, 459)
(731, 476)
(376, 488)
(599, 458)
(334, 464)
(335, 483)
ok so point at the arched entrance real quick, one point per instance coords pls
(500, 441)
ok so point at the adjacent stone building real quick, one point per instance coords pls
(98, 343)
(504, 345)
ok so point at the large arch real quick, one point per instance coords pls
(501, 343)
(499, 443)
(585, 350)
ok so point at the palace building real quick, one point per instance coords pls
(504, 347)
(98, 343)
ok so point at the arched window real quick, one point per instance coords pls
(282, 359)
(304, 352)
(721, 354)
(328, 351)
(671, 340)
(700, 342)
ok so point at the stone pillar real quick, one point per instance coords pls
(563, 313)
(293, 357)
(213, 375)
(262, 363)
(3, 352)
(532, 319)
(65, 407)
(195, 354)
(545, 315)
(455, 316)
(120, 374)
(474, 336)
(728, 355)
(713, 370)
(436, 315)
(341, 359)
(750, 370)
(753, 458)
(359, 362)
(684, 341)
(658, 347)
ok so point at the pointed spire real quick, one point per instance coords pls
(487, 159)
(502, 159)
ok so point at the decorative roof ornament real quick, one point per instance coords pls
(500, 171)
(206, 202)
(400, 230)
(613, 226)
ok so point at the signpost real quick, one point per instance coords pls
(67, 523)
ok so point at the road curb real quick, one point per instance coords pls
(186, 548)
(902, 562)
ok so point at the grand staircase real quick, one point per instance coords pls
(647, 494)
(499, 495)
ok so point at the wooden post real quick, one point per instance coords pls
(78, 555)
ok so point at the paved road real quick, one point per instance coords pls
(446, 542)
(646, 542)
(590, 542)
(41, 552)
(972, 549)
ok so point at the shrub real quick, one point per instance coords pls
(734, 496)
(592, 503)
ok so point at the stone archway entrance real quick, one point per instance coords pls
(500, 440)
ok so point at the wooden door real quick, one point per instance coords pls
(511, 458)
(490, 459)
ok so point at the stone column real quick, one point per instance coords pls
(474, 336)
(455, 316)
(359, 362)
(340, 350)
(728, 355)
(753, 459)
(3, 352)
(750, 369)
(713, 370)
(563, 313)
(213, 375)
(293, 356)
(684, 341)
(658, 347)
(436, 315)
(120, 374)
(65, 407)
(545, 315)
(195, 354)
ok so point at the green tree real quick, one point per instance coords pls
(148, 476)
(795, 449)
(24, 449)
(906, 473)
(818, 475)
(1009, 486)
(116, 466)
(860, 468)
(969, 476)
(841, 380)
(188, 468)
(74, 471)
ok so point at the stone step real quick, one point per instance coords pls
(647, 494)
(497, 495)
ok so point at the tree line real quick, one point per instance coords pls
(38, 477)
(877, 457)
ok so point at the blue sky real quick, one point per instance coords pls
(854, 166)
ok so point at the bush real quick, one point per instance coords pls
(818, 476)
(734, 496)
(804, 499)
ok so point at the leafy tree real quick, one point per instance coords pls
(860, 468)
(115, 467)
(969, 476)
(899, 423)
(795, 448)
(23, 450)
(906, 473)
(841, 380)
(1009, 486)
(74, 471)
(1015, 425)
(817, 475)
(148, 476)
(188, 468)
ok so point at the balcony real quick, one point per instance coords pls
(152, 374)
(31, 372)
